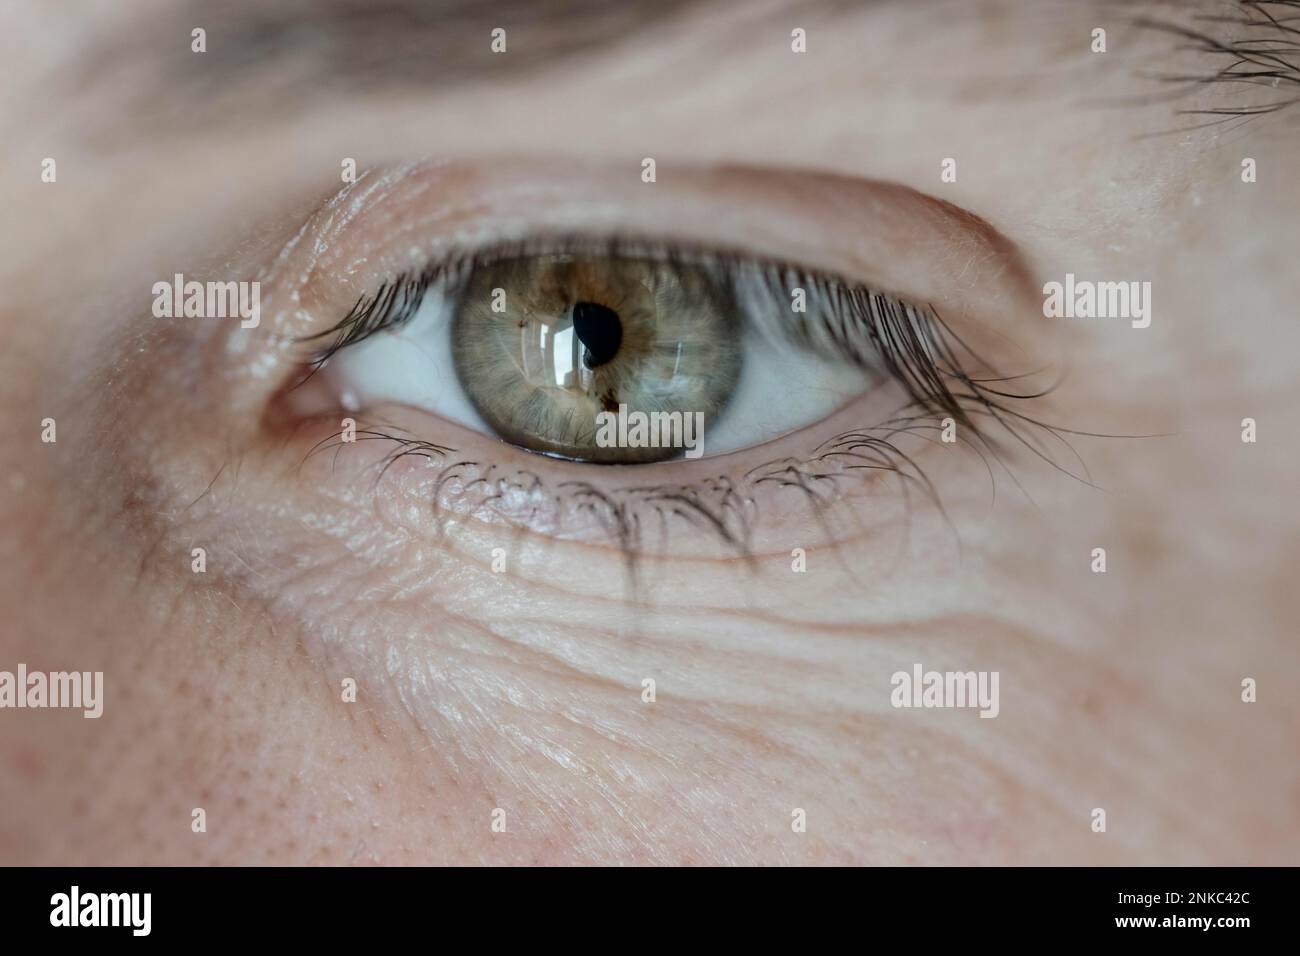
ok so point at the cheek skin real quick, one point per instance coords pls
(523, 689)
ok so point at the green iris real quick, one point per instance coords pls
(544, 344)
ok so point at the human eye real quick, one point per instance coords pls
(782, 364)
(620, 353)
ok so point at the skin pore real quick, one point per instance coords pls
(522, 689)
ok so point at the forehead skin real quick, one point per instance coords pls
(1119, 691)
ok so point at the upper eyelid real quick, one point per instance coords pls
(881, 234)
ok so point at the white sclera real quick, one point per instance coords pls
(782, 388)
(410, 366)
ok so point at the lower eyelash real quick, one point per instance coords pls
(939, 390)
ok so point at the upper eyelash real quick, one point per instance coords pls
(392, 305)
(854, 319)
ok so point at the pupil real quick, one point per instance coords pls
(599, 330)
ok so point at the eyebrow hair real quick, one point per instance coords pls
(291, 51)
(435, 41)
(1262, 51)
(291, 54)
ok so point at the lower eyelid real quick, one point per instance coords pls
(804, 487)
(747, 501)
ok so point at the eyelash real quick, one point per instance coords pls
(397, 300)
(913, 345)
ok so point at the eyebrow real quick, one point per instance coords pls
(292, 54)
(402, 41)
(1262, 51)
(291, 51)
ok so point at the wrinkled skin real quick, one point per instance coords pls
(522, 690)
